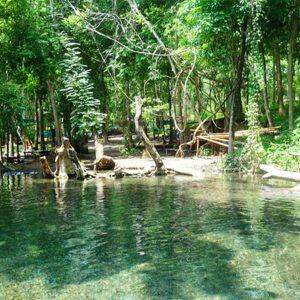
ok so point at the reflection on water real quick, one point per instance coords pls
(153, 238)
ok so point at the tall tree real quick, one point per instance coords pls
(294, 7)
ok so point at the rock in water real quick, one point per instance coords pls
(105, 163)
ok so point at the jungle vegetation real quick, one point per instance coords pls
(75, 67)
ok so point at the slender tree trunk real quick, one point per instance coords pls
(198, 86)
(279, 80)
(7, 147)
(11, 141)
(160, 168)
(104, 105)
(265, 87)
(128, 116)
(180, 113)
(99, 148)
(114, 6)
(36, 125)
(236, 92)
(54, 111)
(239, 115)
(172, 138)
(41, 122)
(274, 81)
(1, 152)
(18, 149)
(291, 61)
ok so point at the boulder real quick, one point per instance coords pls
(105, 163)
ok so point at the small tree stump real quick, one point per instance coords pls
(105, 163)
(47, 172)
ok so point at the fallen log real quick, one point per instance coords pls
(272, 172)
(119, 173)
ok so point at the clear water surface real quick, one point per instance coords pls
(152, 238)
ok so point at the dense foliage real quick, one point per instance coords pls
(190, 60)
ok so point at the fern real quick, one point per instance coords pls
(85, 115)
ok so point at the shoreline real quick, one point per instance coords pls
(195, 166)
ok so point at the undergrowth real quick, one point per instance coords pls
(281, 150)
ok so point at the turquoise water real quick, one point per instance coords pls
(152, 238)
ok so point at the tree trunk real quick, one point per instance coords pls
(290, 71)
(54, 111)
(18, 149)
(160, 168)
(99, 148)
(180, 113)
(11, 142)
(236, 92)
(239, 115)
(127, 115)
(172, 138)
(279, 79)
(1, 152)
(198, 93)
(104, 104)
(7, 147)
(41, 122)
(265, 87)
(274, 81)
(36, 125)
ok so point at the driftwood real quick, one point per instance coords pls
(159, 165)
(120, 173)
(272, 172)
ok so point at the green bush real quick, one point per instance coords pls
(281, 150)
